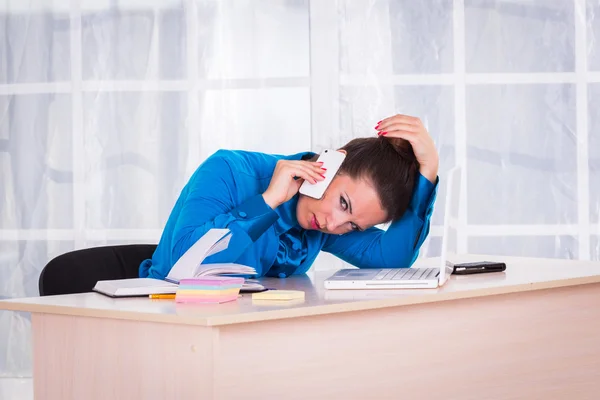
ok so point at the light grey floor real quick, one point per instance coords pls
(16, 389)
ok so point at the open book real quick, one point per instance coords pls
(189, 265)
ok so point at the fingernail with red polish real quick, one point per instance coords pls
(384, 133)
(322, 176)
(324, 169)
(379, 122)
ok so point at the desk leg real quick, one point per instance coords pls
(96, 358)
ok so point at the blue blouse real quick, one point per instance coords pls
(226, 192)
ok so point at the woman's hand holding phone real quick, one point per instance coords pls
(287, 179)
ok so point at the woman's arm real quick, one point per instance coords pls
(208, 203)
(398, 246)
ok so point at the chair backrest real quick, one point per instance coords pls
(78, 271)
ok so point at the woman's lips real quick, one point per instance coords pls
(314, 224)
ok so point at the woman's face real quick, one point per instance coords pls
(347, 205)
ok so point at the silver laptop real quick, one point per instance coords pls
(411, 278)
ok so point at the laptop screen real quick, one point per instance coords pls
(451, 221)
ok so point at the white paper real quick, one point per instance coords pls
(219, 246)
(207, 245)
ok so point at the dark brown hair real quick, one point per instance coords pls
(388, 164)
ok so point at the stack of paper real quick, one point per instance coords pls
(208, 289)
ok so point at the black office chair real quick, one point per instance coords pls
(78, 271)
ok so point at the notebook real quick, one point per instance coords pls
(134, 287)
(189, 265)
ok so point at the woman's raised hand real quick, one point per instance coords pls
(412, 129)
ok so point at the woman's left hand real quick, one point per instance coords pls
(412, 129)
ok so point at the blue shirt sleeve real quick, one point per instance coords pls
(255, 216)
(209, 204)
(396, 247)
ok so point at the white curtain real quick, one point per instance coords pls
(108, 106)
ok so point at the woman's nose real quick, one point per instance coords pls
(330, 225)
(334, 221)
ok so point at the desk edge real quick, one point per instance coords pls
(297, 312)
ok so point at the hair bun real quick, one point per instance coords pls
(403, 148)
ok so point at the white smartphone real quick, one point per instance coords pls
(332, 161)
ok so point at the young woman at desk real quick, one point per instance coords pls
(391, 177)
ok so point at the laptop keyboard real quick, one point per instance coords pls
(406, 274)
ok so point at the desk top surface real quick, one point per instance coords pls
(522, 275)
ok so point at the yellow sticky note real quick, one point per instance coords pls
(279, 295)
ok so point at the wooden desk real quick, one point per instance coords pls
(532, 332)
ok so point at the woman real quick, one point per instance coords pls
(279, 232)
(392, 177)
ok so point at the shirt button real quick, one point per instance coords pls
(242, 214)
(281, 275)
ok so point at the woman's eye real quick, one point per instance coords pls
(343, 203)
(354, 226)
